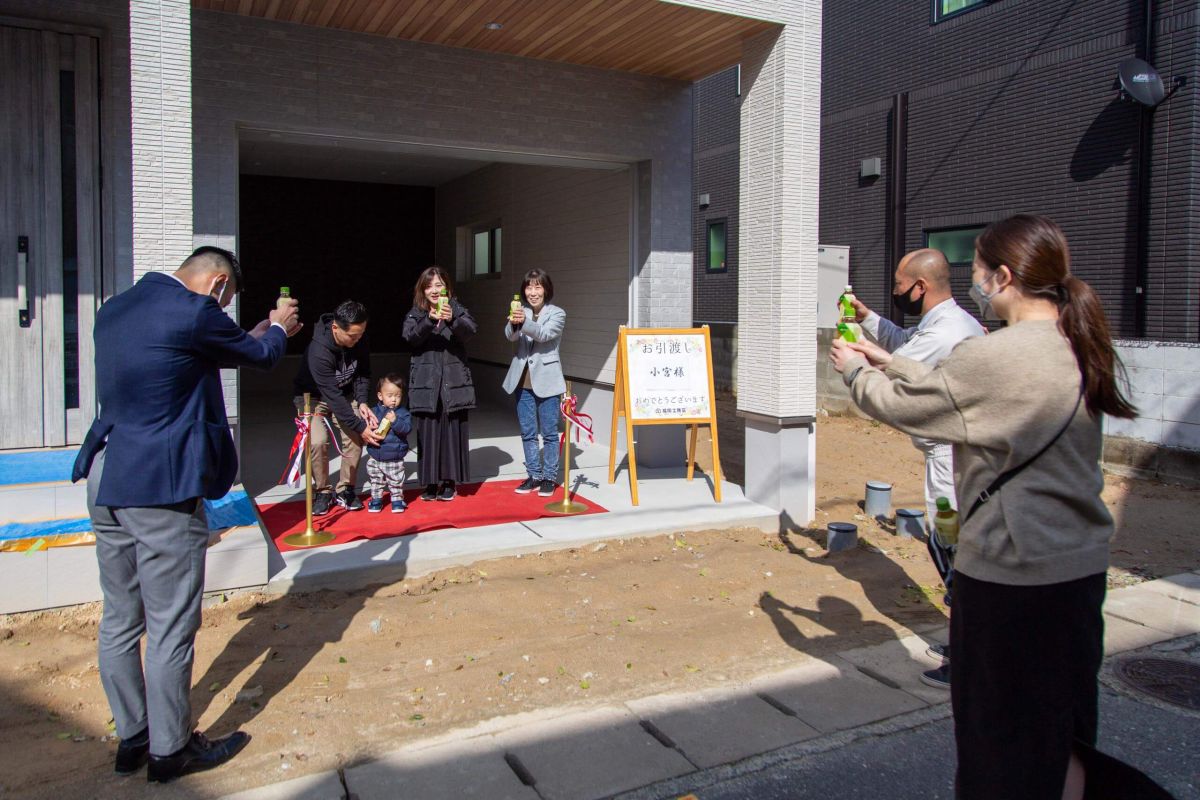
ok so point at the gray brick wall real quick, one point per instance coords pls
(1012, 108)
(715, 129)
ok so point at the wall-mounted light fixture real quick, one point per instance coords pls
(702, 200)
(870, 168)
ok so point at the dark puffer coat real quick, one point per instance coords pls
(439, 360)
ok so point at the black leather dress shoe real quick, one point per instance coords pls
(198, 754)
(133, 753)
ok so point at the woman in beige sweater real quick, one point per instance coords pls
(1024, 403)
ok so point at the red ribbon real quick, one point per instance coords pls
(570, 411)
(295, 459)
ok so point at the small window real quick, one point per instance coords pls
(716, 246)
(957, 244)
(485, 251)
(945, 9)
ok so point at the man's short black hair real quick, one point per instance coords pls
(350, 312)
(220, 257)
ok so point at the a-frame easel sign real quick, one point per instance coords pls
(664, 377)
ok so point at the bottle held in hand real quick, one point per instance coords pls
(945, 523)
(384, 427)
(443, 299)
(848, 329)
(514, 306)
(285, 295)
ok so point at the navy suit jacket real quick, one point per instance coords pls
(162, 423)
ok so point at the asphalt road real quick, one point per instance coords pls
(917, 762)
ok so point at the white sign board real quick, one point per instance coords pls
(668, 377)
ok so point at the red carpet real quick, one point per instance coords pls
(488, 503)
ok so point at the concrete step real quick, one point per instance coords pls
(32, 502)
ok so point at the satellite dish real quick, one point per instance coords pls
(1141, 81)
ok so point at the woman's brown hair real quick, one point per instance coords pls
(423, 283)
(1035, 250)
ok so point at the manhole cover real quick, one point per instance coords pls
(1171, 680)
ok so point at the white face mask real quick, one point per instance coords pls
(984, 301)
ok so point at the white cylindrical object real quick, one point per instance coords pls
(878, 502)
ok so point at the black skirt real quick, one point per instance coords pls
(1023, 683)
(443, 446)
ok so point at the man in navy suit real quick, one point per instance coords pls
(160, 444)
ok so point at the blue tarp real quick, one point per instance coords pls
(43, 466)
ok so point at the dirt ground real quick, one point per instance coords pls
(330, 679)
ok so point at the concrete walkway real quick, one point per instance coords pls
(580, 754)
(669, 503)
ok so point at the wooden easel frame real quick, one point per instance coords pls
(622, 405)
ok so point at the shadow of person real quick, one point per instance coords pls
(840, 617)
(283, 635)
(887, 586)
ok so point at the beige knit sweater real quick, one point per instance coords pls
(999, 399)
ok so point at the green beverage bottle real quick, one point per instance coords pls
(514, 306)
(945, 523)
(443, 299)
(848, 330)
(285, 294)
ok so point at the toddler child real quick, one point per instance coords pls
(385, 463)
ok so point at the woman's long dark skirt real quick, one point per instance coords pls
(443, 446)
(1023, 683)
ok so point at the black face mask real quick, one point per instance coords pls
(906, 304)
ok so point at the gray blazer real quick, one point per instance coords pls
(537, 347)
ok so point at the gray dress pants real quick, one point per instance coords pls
(152, 574)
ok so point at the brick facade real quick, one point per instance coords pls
(1011, 108)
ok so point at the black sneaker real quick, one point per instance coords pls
(322, 504)
(546, 488)
(941, 651)
(447, 492)
(527, 486)
(348, 500)
(938, 678)
(430, 492)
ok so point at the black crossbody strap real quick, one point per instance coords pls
(1008, 475)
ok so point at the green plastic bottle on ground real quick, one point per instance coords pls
(945, 523)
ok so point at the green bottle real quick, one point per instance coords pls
(945, 523)
(514, 306)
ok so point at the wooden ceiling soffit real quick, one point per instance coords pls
(645, 36)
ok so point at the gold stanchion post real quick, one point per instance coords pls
(310, 537)
(567, 505)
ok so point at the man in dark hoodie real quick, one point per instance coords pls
(336, 370)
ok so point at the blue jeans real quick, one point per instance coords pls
(539, 415)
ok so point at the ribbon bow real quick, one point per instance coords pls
(570, 411)
(295, 459)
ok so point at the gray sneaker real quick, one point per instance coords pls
(941, 651)
(938, 678)
(323, 503)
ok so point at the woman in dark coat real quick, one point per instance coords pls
(440, 391)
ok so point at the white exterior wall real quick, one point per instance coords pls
(161, 94)
(1164, 382)
(279, 76)
(574, 224)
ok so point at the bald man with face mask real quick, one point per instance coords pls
(922, 288)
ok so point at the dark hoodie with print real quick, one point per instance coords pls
(341, 376)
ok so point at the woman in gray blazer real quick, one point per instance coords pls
(536, 376)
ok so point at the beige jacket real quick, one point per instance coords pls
(999, 399)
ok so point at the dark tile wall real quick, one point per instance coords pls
(1012, 108)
